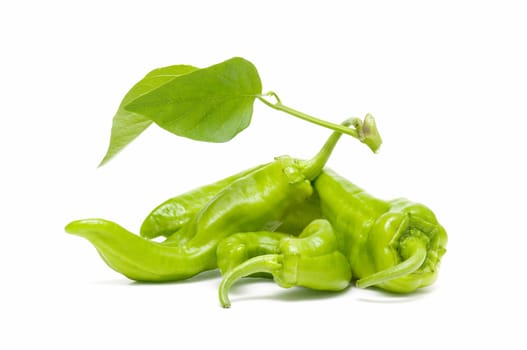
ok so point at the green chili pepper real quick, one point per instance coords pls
(179, 211)
(251, 202)
(311, 260)
(394, 245)
(171, 215)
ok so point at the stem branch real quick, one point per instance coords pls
(280, 107)
(314, 166)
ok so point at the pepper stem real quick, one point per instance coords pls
(406, 267)
(313, 166)
(264, 263)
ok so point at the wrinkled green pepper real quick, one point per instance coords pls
(394, 245)
(264, 196)
(311, 260)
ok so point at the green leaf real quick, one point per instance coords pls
(211, 104)
(126, 125)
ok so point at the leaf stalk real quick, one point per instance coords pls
(281, 107)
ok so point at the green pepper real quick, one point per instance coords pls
(311, 260)
(395, 245)
(293, 221)
(249, 203)
(171, 215)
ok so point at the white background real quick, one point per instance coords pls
(446, 81)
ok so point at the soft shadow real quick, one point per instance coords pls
(204, 276)
(240, 292)
(303, 294)
(281, 294)
(379, 296)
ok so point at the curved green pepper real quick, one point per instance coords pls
(394, 245)
(293, 220)
(311, 260)
(171, 215)
(251, 202)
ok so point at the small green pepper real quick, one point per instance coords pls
(394, 245)
(311, 260)
(251, 202)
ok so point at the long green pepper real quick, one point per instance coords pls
(168, 218)
(171, 215)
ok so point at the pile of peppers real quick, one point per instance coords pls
(293, 220)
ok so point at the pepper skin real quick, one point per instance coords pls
(311, 260)
(298, 217)
(251, 202)
(171, 215)
(394, 245)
